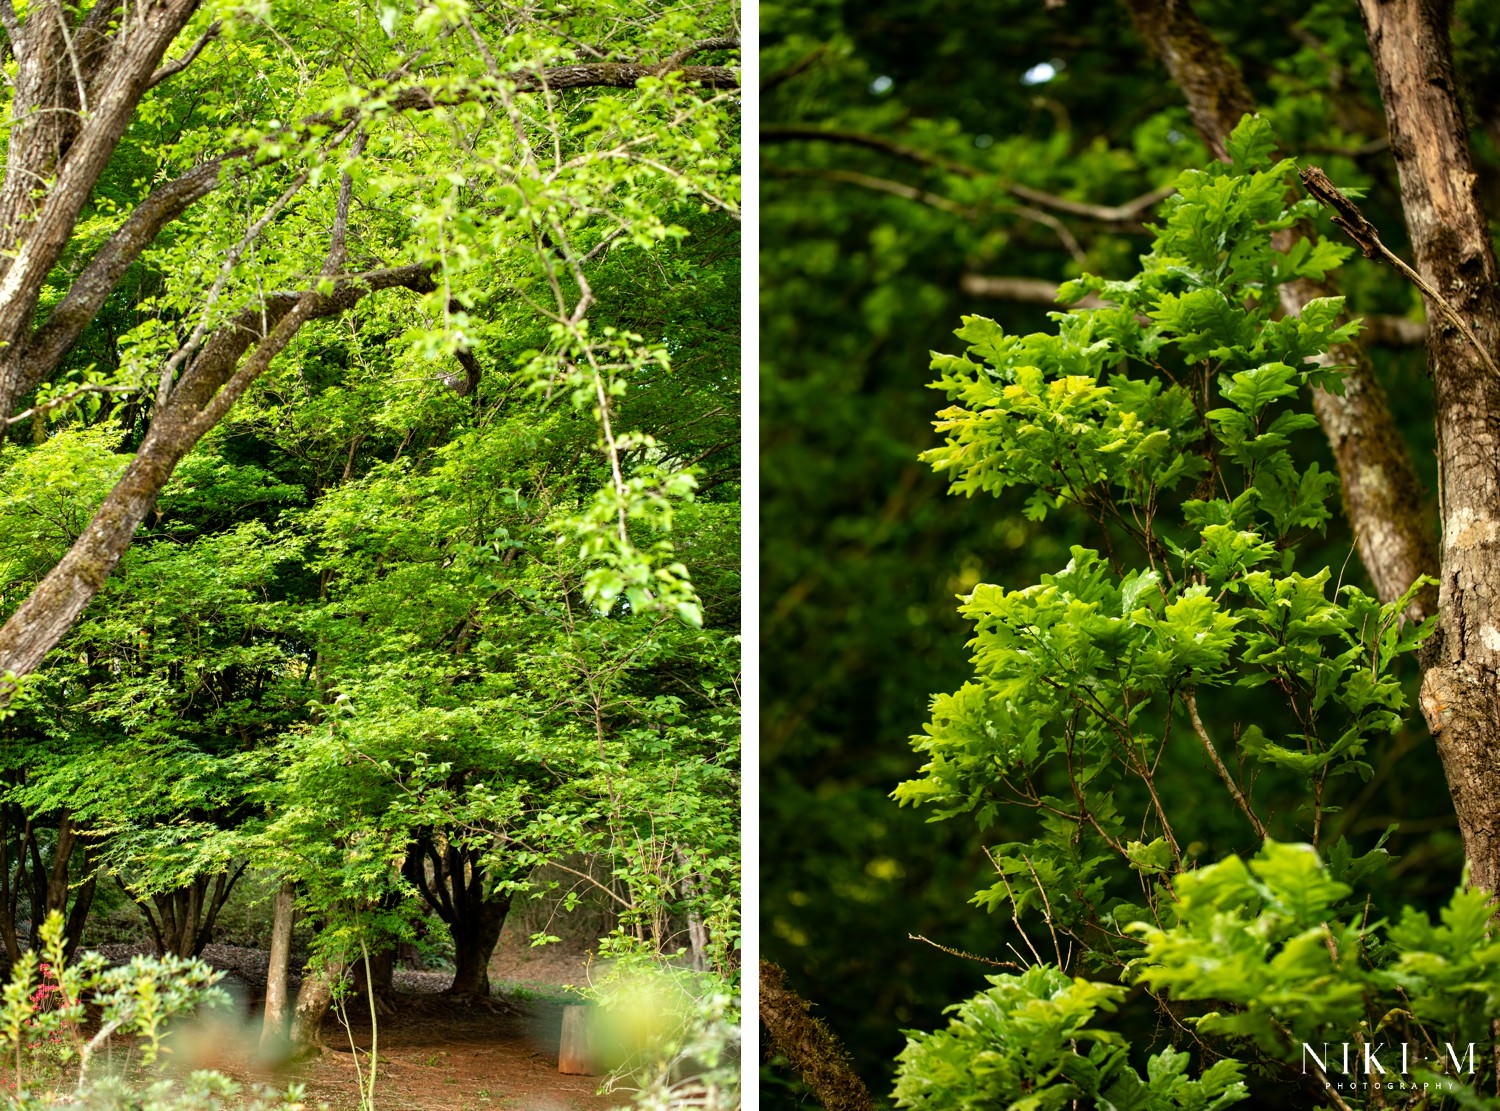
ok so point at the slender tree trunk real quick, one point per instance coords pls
(9, 891)
(697, 931)
(283, 914)
(1450, 239)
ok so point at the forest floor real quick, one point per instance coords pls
(435, 1053)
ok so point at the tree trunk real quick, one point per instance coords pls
(697, 930)
(283, 914)
(50, 887)
(1450, 239)
(210, 386)
(475, 935)
(183, 924)
(313, 1000)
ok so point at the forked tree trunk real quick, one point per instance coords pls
(1451, 243)
(183, 921)
(475, 936)
(283, 913)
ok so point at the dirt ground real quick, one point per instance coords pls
(433, 1058)
(435, 1053)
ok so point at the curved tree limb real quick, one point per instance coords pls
(1129, 214)
(211, 384)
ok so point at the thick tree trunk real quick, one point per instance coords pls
(313, 1000)
(475, 935)
(1381, 492)
(1450, 239)
(283, 914)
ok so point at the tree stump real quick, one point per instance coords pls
(576, 1053)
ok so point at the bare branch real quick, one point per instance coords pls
(884, 185)
(67, 38)
(796, 69)
(810, 1046)
(1131, 212)
(98, 279)
(226, 268)
(725, 42)
(65, 399)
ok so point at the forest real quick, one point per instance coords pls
(369, 553)
(1129, 486)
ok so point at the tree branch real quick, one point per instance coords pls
(1213, 754)
(39, 358)
(808, 1044)
(1129, 213)
(177, 65)
(884, 185)
(67, 398)
(1348, 216)
(206, 391)
(132, 62)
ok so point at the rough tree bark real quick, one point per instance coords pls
(1380, 488)
(313, 1000)
(1447, 227)
(183, 922)
(1449, 233)
(814, 1051)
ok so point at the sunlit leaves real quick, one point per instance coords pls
(1029, 1043)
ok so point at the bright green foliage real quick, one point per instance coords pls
(56, 1016)
(1027, 1044)
(459, 572)
(1078, 668)
(1168, 421)
(1287, 957)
